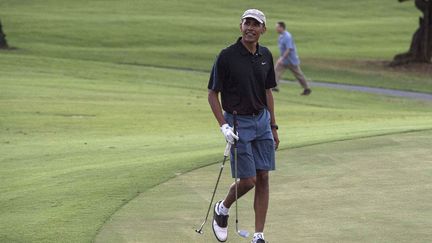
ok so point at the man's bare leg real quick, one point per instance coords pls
(261, 199)
(244, 185)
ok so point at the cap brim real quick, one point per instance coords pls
(254, 17)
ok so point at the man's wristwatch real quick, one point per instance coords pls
(274, 126)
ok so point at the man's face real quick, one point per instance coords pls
(251, 30)
(279, 28)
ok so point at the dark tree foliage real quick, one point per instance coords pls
(3, 43)
(421, 44)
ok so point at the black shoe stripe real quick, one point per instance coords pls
(221, 220)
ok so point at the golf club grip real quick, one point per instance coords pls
(235, 124)
(227, 150)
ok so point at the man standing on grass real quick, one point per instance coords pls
(244, 75)
(288, 58)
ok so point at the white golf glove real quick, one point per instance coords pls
(228, 132)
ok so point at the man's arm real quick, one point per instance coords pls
(283, 57)
(270, 106)
(286, 53)
(213, 99)
(288, 43)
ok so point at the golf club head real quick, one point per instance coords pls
(243, 233)
(199, 231)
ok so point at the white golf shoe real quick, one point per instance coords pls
(220, 224)
(258, 241)
(258, 238)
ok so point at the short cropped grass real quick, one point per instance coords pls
(365, 190)
(330, 35)
(89, 118)
(81, 138)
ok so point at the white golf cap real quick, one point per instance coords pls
(255, 14)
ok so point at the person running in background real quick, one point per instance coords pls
(289, 59)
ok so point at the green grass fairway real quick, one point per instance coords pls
(365, 190)
(80, 138)
(90, 115)
(338, 41)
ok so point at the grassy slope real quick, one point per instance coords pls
(81, 135)
(80, 138)
(330, 34)
(366, 190)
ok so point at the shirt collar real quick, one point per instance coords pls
(245, 51)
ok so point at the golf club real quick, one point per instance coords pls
(226, 154)
(242, 233)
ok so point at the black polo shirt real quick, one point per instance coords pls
(242, 78)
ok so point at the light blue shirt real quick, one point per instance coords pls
(285, 42)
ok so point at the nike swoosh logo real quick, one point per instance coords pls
(263, 63)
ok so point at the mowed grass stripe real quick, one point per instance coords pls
(82, 138)
(190, 34)
(365, 190)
